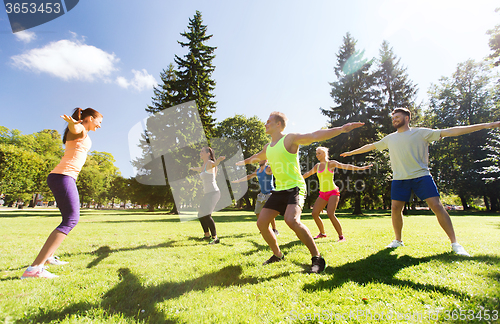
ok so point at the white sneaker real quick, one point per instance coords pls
(37, 272)
(54, 260)
(394, 244)
(458, 249)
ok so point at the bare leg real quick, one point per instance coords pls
(49, 248)
(265, 217)
(332, 206)
(273, 222)
(397, 218)
(318, 207)
(443, 217)
(292, 219)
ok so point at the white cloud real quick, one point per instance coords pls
(68, 60)
(122, 82)
(142, 80)
(25, 36)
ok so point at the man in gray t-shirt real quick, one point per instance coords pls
(409, 155)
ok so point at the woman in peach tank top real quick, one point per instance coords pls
(62, 183)
(329, 193)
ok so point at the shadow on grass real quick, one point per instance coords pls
(130, 299)
(260, 247)
(35, 213)
(382, 267)
(104, 251)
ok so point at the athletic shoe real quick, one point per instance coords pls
(394, 244)
(343, 239)
(320, 235)
(274, 259)
(318, 264)
(38, 272)
(54, 260)
(206, 238)
(276, 233)
(458, 249)
(214, 241)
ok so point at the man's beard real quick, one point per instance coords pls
(398, 125)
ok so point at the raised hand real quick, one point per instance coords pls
(345, 154)
(350, 126)
(70, 120)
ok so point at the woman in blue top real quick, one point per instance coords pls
(211, 192)
(266, 183)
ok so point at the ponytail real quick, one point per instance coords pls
(212, 154)
(80, 114)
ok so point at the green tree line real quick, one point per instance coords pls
(363, 89)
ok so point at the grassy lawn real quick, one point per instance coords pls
(134, 266)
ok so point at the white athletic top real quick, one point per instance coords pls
(409, 151)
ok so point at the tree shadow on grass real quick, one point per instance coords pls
(383, 266)
(130, 299)
(54, 213)
(104, 251)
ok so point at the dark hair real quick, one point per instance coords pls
(80, 114)
(209, 150)
(404, 111)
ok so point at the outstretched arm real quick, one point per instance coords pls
(246, 178)
(197, 169)
(254, 158)
(461, 130)
(74, 126)
(361, 150)
(335, 164)
(217, 162)
(211, 164)
(310, 172)
(324, 134)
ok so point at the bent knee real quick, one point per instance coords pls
(293, 223)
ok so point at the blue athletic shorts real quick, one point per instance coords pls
(424, 187)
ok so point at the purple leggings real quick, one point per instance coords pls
(64, 189)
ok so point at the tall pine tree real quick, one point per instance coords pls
(194, 74)
(397, 89)
(164, 92)
(192, 79)
(356, 99)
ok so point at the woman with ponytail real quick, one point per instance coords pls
(329, 193)
(62, 183)
(211, 192)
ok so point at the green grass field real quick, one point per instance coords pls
(138, 267)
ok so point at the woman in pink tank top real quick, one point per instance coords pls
(62, 183)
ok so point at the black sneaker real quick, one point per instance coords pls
(276, 233)
(318, 264)
(274, 259)
(214, 241)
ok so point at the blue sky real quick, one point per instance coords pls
(271, 55)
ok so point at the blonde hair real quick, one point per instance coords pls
(279, 117)
(324, 149)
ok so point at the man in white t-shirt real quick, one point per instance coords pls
(409, 155)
